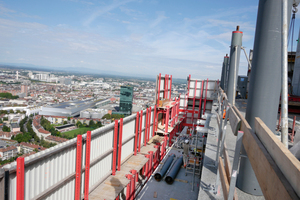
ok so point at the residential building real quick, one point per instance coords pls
(9, 152)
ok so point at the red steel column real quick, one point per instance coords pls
(158, 89)
(87, 164)
(170, 87)
(194, 99)
(167, 120)
(120, 144)
(200, 101)
(187, 97)
(78, 168)
(136, 132)
(115, 148)
(205, 96)
(167, 86)
(149, 124)
(150, 163)
(20, 178)
(147, 165)
(146, 127)
(134, 173)
(128, 187)
(141, 123)
(132, 184)
(154, 121)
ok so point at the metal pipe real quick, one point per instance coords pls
(264, 81)
(174, 171)
(159, 175)
(247, 57)
(235, 50)
(284, 76)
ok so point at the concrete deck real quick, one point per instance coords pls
(209, 173)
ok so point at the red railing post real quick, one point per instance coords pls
(133, 180)
(167, 120)
(20, 178)
(146, 127)
(154, 122)
(166, 86)
(149, 124)
(158, 90)
(134, 172)
(115, 148)
(78, 168)
(150, 163)
(200, 101)
(136, 132)
(128, 187)
(120, 144)
(205, 96)
(170, 87)
(87, 164)
(293, 130)
(140, 137)
(147, 166)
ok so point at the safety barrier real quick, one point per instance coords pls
(276, 169)
(76, 167)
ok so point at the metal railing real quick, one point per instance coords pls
(50, 174)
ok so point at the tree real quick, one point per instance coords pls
(65, 122)
(11, 111)
(78, 124)
(1, 121)
(99, 124)
(5, 129)
(91, 123)
(107, 116)
(69, 118)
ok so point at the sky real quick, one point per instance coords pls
(129, 37)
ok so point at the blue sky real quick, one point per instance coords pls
(138, 37)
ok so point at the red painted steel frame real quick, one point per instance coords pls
(154, 122)
(132, 189)
(115, 148)
(141, 123)
(167, 85)
(134, 173)
(200, 100)
(150, 163)
(170, 87)
(87, 165)
(146, 127)
(167, 119)
(128, 187)
(158, 89)
(147, 166)
(78, 168)
(205, 96)
(136, 132)
(20, 178)
(120, 144)
(149, 124)
(194, 101)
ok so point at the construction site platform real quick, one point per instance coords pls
(181, 187)
(114, 185)
(209, 173)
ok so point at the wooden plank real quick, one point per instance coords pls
(235, 121)
(223, 178)
(285, 160)
(273, 183)
(227, 163)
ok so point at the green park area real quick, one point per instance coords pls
(79, 131)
